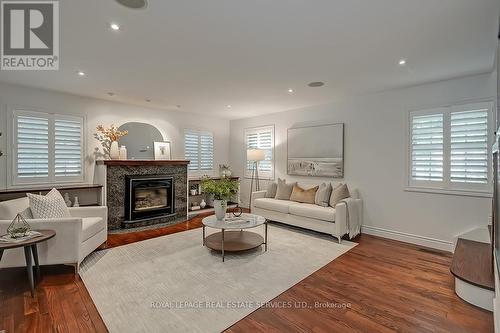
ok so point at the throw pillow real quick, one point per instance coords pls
(26, 214)
(323, 195)
(305, 196)
(48, 206)
(271, 190)
(284, 190)
(339, 193)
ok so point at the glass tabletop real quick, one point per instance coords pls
(245, 221)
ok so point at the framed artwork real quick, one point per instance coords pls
(162, 150)
(316, 151)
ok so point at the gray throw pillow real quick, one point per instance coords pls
(341, 192)
(323, 195)
(48, 206)
(284, 190)
(271, 190)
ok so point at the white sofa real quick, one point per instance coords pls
(328, 220)
(76, 236)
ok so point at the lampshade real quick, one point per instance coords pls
(255, 155)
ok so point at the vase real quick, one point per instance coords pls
(114, 151)
(203, 203)
(220, 207)
(123, 153)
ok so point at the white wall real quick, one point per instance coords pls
(170, 123)
(375, 159)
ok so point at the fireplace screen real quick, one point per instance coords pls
(148, 197)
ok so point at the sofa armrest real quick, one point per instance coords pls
(257, 195)
(91, 211)
(63, 248)
(341, 214)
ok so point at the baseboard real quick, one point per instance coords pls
(408, 238)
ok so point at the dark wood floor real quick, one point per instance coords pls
(379, 286)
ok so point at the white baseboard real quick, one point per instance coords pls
(409, 238)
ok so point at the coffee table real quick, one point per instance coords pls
(29, 246)
(233, 236)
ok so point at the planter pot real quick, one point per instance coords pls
(114, 151)
(220, 207)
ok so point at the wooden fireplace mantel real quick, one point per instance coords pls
(142, 162)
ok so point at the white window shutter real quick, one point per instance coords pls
(261, 138)
(32, 147)
(469, 146)
(199, 150)
(68, 148)
(427, 147)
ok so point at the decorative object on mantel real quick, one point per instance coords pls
(222, 190)
(108, 137)
(123, 153)
(225, 171)
(76, 203)
(316, 151)
(162, 150)
(203, 204)
(67, 200)
(18, 228)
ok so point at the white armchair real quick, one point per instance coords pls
(76, 236)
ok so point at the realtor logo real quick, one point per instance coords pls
(30, 35)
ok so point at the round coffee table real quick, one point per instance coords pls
(233, 236)
(29, 246)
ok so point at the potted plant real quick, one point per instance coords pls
(222, 190)
(108, 137)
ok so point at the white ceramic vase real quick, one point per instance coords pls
(114, 151)
(220, 207)
(203, 203)
(123, 153)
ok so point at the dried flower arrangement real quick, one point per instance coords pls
(107, 135)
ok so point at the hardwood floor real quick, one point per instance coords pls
(384, 286)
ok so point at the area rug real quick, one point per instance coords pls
(174, 284)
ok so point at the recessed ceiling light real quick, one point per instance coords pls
(290, 90)
(316, 84)
(111, 93)
(114, 26)
(134, 4)
(81, 73)
(229, 106)
(402, 62)
(148, 100)
(178, 106)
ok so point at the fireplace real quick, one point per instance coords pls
(148, 196)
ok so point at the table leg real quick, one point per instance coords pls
(29, 269)
(265, 233)
(35, 257)
(222, 245)
(203, 234)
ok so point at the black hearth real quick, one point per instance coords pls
(149, 196)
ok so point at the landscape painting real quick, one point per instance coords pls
(316, 151)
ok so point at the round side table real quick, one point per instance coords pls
(30, 249)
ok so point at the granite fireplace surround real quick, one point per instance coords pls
(112, 174)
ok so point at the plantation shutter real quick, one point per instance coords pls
(469, 146)
(427, 147)
(68, 147)
(261, 138)
(32, 143)
(47, 148)
(199, 150)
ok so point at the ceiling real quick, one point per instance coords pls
(206, 55)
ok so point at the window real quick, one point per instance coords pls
(47, 148)
(261, 138)
(199, 150)
(449, 148)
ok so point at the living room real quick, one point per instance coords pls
(283, 166)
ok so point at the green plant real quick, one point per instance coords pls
(221, 189)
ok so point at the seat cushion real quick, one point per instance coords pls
(272, 204)
(91, 226)
(313, 211)
(10, 208)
